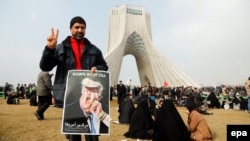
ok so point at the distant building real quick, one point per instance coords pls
(130, 34)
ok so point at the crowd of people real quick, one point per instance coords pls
(21, 91)
(152, 121)
(156, 109)
(226, 97)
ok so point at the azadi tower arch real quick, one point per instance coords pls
(130, 34)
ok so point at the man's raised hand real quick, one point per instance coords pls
(52, 39)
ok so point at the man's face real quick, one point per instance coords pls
(89, 95)
(78, 31)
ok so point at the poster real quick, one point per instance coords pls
(86, 103)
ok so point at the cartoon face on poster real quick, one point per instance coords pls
(86, 103)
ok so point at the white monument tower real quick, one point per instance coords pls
(130, 34)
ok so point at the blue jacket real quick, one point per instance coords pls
(63, 58)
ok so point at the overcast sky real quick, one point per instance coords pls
(209, 40)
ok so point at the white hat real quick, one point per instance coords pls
(90, 83)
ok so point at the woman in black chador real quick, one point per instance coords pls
(169, 125)
(214, 102)
(141, 123)
(126, 110)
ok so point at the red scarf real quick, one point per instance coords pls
(77, 47)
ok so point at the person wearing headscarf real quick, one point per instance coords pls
(141, 123)
(169, 125)
(197, 125)
(214, 101)
(126, 110)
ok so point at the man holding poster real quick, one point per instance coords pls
(74, 53)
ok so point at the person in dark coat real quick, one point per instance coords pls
(74, 53)
(141, 123)
(169, 125)
(214, 101)
(121, 92)
(12, 98)
(33, 95)
(111, 93)
(243, 103)
(126, 110)
(7, 90)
